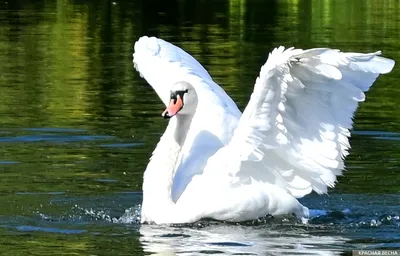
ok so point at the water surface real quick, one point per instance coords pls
(78, 124)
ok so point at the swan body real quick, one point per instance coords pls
(215, 162)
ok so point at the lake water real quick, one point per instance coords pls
(78, 124)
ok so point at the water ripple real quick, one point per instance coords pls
(229, 244)
(122, 145)
(53, 137)
(49, 230)
(379, 135)
(53, 130)
(9, 162)
(41, 193)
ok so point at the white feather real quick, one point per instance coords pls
(291, 138)
(310, 97)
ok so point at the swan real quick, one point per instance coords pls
(291, 139)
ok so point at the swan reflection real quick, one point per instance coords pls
(239, 240)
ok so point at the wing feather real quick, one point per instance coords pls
(294, 131)
(162, 64)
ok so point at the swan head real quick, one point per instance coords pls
(183, 100)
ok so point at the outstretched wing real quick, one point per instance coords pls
(294, 131)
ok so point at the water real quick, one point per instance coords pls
(78, 124)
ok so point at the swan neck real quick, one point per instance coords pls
(182, 128)
(159, 174)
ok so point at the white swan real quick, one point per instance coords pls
(214, 162)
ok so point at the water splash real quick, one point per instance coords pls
(356, 220)
(383, 220)
(130, 216)
(317, 217)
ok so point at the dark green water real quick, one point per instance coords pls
(77, 123)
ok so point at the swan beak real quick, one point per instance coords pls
(175, 105)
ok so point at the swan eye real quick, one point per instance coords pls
(174, 94)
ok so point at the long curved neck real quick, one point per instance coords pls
(159, 174)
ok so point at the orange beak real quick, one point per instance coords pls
(175, 105)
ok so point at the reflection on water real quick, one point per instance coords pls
(233, 239)
(330, 231)
(78, 124)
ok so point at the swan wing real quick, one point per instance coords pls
(294, 131)
(162, 64)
